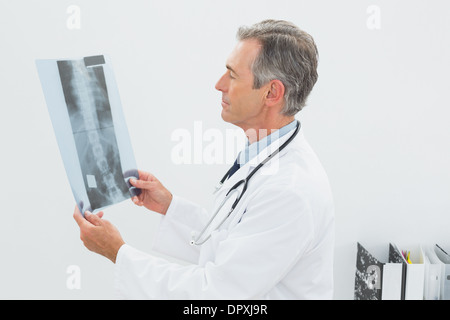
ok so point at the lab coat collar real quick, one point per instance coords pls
(252, 149)
(243, 171)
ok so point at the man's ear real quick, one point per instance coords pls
(275, 92)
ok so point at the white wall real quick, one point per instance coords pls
(377, 118)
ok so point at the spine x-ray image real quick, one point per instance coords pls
(84, 105)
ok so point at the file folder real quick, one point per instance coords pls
(415, 275)
(392, 281)
(395, 256)
(444, 258)
(433, 274)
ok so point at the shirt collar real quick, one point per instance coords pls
(252, 150)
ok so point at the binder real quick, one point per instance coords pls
(413, 276)
(392, 281)
(395, 256)
(368, 275)
(433, 272)
(375, 280)
(397, 279)
(444, 258)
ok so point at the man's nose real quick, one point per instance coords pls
(221, 84)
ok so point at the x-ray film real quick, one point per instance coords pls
(87, 117)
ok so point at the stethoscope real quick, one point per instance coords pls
(197, 240)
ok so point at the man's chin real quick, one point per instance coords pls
(225, 115)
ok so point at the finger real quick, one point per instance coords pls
(141, 183)
(145, 175)
(100, 214)
(93, 218)
(136, 201)
(78, 217)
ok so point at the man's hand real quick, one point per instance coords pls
(98, 235)
(154, 195)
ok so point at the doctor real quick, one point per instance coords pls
(278, 241)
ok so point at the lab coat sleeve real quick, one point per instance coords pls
(175, 229)
(273, 234)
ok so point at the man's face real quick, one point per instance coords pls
(241, 104)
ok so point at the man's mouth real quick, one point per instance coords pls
(225, 103)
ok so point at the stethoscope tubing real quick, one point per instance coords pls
(234, 189)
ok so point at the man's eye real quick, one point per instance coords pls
(231, 76)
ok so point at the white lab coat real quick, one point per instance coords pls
(277, 244)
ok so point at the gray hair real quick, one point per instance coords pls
(287, 54)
